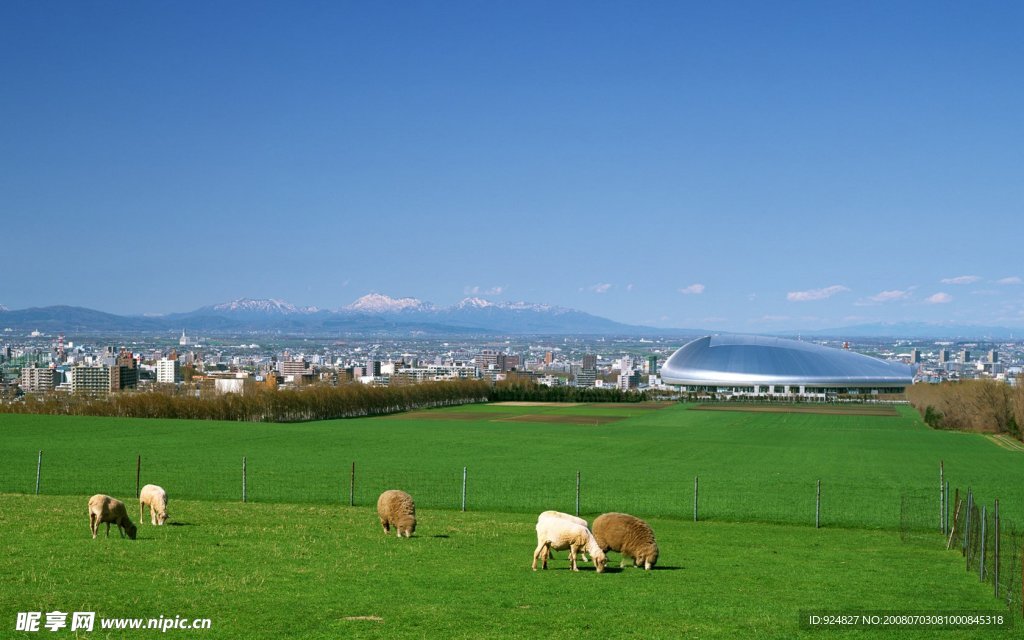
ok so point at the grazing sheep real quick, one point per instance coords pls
(556, 533)
(570, 518)
(106, 509)
(629, 535)
(156, 498)
(396, 507)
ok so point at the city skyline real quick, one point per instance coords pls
(733, 167)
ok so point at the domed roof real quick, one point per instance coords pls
(749, 360)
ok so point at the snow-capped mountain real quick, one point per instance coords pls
(250, 305)
(379, 303)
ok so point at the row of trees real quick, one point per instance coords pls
(985, 406)
(312, 402)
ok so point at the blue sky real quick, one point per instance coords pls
(743, 166)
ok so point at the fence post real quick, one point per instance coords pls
(39, 470)
(463, 488)
(967, 528)
(942, 495)
(696, 480)
(817, 507)
(138, 474)
(245, 496)
(945, 529)
(352, 486)
(995, 551)
(981, 563)
(577, 493)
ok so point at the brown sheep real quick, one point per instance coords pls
(396, 507)
(156, 498)
(106, 509)
(629, 535)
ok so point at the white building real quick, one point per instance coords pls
(168, 370)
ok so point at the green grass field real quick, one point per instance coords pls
(317, 571)
(878, 472)
(297, 561)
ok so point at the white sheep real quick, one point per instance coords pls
(106, 509)
(556, 533)
(570, 518)
(156, 498)
(397, 508)
(629, 535)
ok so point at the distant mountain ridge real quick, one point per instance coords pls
(372, 313)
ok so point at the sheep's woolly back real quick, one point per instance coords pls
(563, 516)
(628, 535)
(395, 507)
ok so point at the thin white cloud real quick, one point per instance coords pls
(483, 291)
(1010, 280)
(600, 288)
(770, 319)
(890, 295)
(816, 294)
(693, 289)
(939, 298)
(629, 287)
(961, 280)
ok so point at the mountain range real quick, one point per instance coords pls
(372, 313)
(380, 314)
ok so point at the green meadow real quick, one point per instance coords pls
(325, 571)
(298, 561)
(876, 472)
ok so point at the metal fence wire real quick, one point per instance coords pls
(991, 546)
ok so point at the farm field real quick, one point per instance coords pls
(876, 471)
(327, 571)
(297, 560)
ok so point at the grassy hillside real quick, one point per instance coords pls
(876, 472)
(326, 571)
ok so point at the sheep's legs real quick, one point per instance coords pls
(94, 525)
(541, 552)
(572, 557)
(387, 527)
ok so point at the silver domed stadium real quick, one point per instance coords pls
(738, 365)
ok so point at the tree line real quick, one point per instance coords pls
(311, 402)
(985, 406)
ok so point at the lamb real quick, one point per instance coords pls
(556, 533)
(106, 509)
(570, 518)
(156, 498)
(629, 535)
(397, 508)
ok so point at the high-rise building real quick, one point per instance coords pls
(652, 364)
(36, 379)
(548, 357)
(590, 361)
(944, 356)
(915, 356)
(168, 370)
(993, 356)
(965, 356)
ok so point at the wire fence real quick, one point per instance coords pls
(479, 487)
(992, 546)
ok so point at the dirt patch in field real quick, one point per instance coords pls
(558, 419)
(556, 405)
(647, 406)
(367, 618)
(830, 410)
(443, 415)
